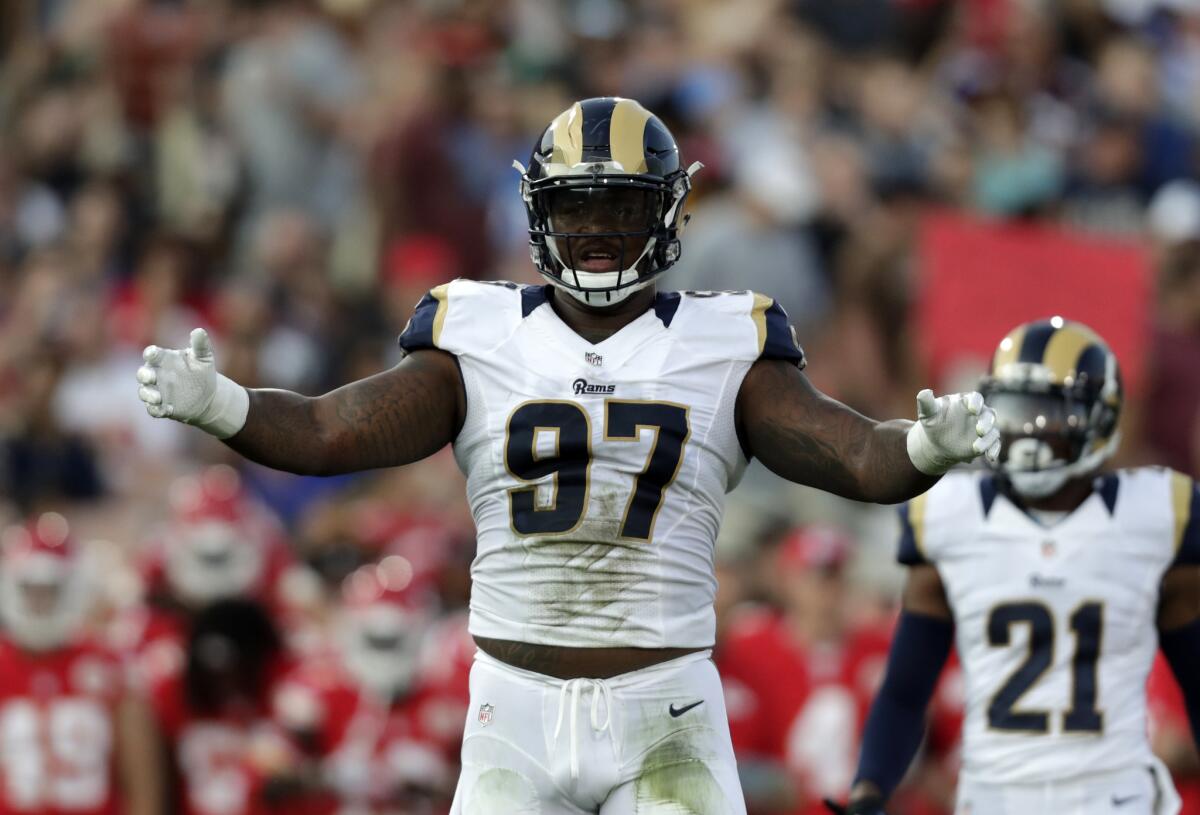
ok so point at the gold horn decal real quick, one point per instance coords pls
(1009, 350)
(1064, 349)
(567, 130)
(626, 135)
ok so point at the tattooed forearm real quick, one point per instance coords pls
(392, 418)
(806, 437)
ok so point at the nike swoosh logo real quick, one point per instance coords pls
(1119, 802)
(676, 712)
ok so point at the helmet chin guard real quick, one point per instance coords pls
(1045, 481)
(605, 148)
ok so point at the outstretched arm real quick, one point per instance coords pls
(395, 417)
(806, 437)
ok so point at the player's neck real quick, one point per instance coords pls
(1067, 499)
(598, 324)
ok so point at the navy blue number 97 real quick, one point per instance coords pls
(569, 457)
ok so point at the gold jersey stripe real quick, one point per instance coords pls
(1065, 347)
(567, 129)
(759, 314)
(627, 135)
(442, 295)
(1009, 350)
(1181, 504)
(916, 519)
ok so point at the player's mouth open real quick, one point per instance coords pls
(598, 258)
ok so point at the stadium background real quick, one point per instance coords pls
(908, 177)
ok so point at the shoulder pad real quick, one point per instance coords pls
(942, 513)
(739, 325)
(1164, 504)
(469, 316)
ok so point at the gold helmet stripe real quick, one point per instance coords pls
(567, 129)
(1009, 349)
(1181, 504)
(627, 135)
(1064, 349)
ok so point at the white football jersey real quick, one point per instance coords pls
(1054, 625)
(596, 474)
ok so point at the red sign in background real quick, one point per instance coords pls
(978, 279)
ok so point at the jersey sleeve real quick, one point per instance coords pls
(1185, 511)
(911, 551)
(464, 317)
(776, 337)
(424, 329)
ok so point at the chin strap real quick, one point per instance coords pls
(1041, 483)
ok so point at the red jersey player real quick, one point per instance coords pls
(799, 682)
(382, 730)
(215, 715)
(1170, 734)
(74, 738)
(217, 544)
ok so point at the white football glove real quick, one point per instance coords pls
(184, 385)
(950, 430)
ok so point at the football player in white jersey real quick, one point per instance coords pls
(1056, 583)
(600, 424)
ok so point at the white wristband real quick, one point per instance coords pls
(924, 454)
(226, 413)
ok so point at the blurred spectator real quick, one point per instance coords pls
(77, 734)
(799, 739)
(378, 727)
(295, 174)
(214, 715)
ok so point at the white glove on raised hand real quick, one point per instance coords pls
(950, 430)
(184, 385)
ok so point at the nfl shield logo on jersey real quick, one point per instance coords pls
(593, 358)
(485, 713)
(1048, 548)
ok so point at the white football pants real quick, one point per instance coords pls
(648, 742)
(1140, 789)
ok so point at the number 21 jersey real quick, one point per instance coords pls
(597, 473)
(1054, 625)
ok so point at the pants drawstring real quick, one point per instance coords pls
(574, 687)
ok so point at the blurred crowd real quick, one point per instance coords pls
(294, 174)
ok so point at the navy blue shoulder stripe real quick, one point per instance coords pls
(780, 342)
(987, 493)
(908, 553)
(419, 331)
(531, 298)
(666, 303)
(1107, 486)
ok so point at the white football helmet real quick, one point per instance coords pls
(44, 594)
(386, 615)
(216, 544)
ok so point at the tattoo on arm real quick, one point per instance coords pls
(806, 437)
(395, 417)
